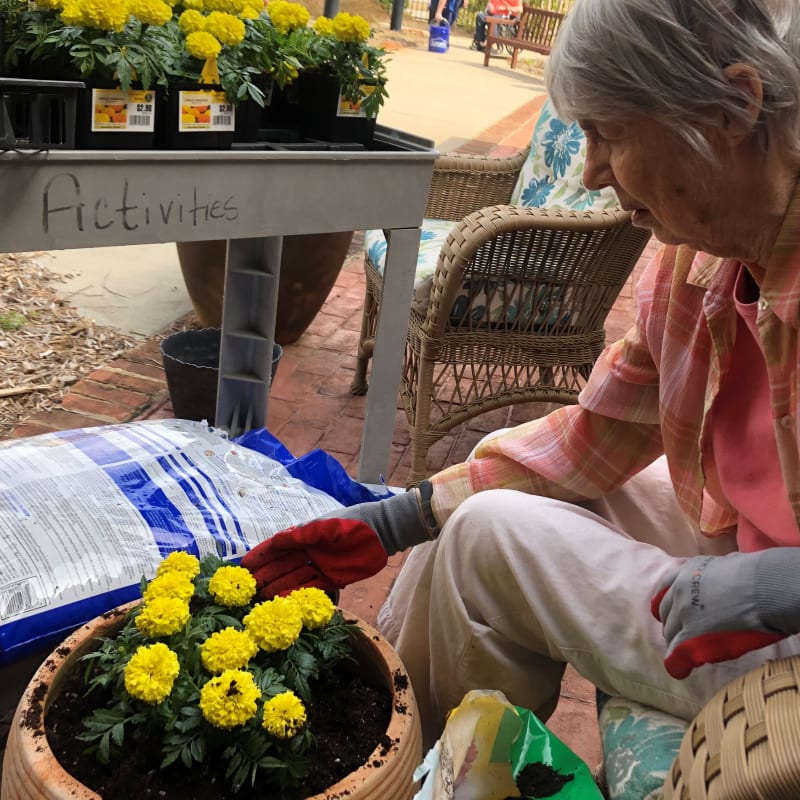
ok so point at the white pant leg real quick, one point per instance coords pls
(518, 585)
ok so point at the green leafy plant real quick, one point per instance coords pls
(104, 41)
(210, 674)
(340, 47)
(144, 42)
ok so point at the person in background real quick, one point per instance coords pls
(648, 535)
(494, 8)
(445, 10)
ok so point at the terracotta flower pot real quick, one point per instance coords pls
(31, 772)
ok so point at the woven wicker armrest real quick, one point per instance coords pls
(506, 242)
(464, 183)
(745, 742)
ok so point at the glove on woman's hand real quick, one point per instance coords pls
(344, 546)
(715, 608)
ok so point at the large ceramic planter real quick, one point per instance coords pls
(310, 264)
(31, 772)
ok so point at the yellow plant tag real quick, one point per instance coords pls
(116, 111)
(347, 108)
(210, 72)
(204, 111)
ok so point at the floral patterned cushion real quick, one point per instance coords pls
(551, 175)
(639, 746)
(434, 234)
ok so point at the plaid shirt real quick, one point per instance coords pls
(651, 392)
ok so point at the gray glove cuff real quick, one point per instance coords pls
(400, 521)
(776, 592)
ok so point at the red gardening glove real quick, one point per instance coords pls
(326, 553)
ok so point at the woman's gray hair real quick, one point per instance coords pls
(665, 59)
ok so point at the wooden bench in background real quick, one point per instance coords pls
(536, 31)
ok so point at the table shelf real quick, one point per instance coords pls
(74, 199)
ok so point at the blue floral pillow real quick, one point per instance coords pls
(433, 236)
(551, 175)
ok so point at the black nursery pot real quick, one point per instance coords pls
(169, 135)
(95, 99)
(277, 120)
(320, 117)
(191, 366)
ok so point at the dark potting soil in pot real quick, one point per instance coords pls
(349, 719)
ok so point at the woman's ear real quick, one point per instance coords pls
(747, 81)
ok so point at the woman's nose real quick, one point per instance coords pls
(597, 173)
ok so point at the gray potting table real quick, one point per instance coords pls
(73, 199)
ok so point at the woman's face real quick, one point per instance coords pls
(667, 185)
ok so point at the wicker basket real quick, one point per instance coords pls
(745, 743)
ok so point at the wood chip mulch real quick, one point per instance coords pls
(45, 344)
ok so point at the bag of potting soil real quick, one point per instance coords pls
(492, 750)
(85, 513)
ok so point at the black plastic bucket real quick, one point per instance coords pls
(191, 364)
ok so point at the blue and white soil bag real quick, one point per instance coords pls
(84, 514)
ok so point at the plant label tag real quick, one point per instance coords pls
(205, 111)
(349, 109)
(114, 110)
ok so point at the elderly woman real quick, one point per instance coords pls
(570, 539)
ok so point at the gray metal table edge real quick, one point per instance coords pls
(76, 198)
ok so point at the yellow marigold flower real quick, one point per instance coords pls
(201, 44)
(150, 12)
(72, 14)
(323, 26)
(162, 616)
(230, 31)
(229, 700)
(179, 561)
(227, 649)
(229, 6)
(350, 27)
(51, 4)
(316, 608)
(284, 715)
(232, 586)
(151, 672)
(107, 15)
(169, 584)
(275, 624)
(197, 5)
(286, 16)
(251, 9)
(191, 21)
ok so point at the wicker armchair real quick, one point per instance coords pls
(517, 303)
(745, 742)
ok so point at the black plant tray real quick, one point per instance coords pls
(288, 139)
(38, 114)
